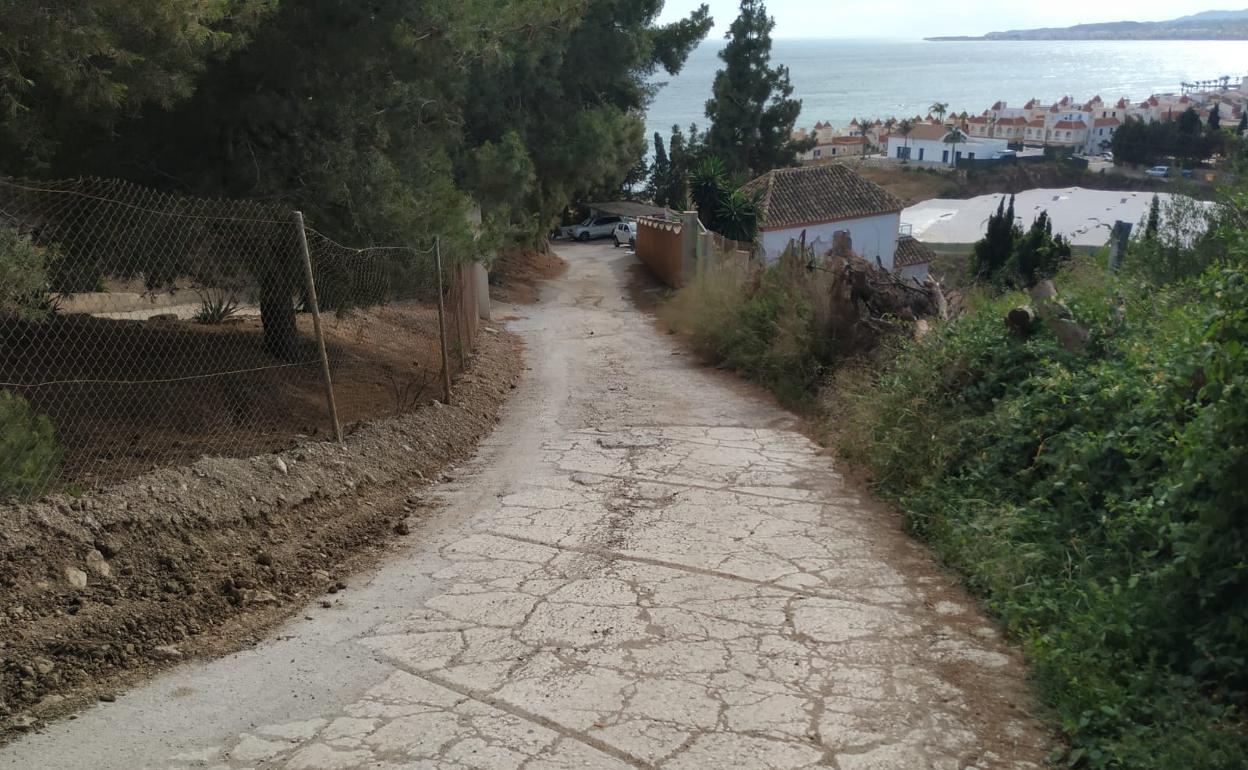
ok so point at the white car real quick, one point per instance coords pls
(594, 227)
(625, 232)
(1159, 171)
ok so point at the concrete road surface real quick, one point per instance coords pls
(645, 566)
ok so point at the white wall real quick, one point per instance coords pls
(932, 149)
(870, 237)
(917, 272)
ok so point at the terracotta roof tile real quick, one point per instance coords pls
(809, 195)
(911, 252)
(1106, 122)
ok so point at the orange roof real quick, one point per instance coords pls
(1079, 124)
(1106, 122)
(1037, 123)
(1122, 103)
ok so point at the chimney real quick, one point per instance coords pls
(842, 245)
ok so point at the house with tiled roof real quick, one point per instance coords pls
(926, 144)
(826, 203)
(913, 259)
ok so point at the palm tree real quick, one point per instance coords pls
(939, 109)
(992, 124)
(906, 125)
(953, 139)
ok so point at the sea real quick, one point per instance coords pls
(838, 80)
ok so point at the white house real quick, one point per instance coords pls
(828, 203)
(926, 144)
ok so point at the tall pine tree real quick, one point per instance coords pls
(751, 111)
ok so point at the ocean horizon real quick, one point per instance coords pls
(839, 79)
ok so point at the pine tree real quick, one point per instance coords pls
(1215, 118)
(751, 111)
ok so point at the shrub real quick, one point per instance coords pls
(754, 321)
(29, 455)
(23, 276)
(1094, 498)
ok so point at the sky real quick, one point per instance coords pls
(923, 18)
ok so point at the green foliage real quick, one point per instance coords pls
(74, 69)
(1095, 499)
(23, 276)
(670, 178)
(752, 111)
(992, 253)
(1039, 254)
(1006, 256)
(722, 207)
(1180, 239)
(1183, 139)
(29, 455)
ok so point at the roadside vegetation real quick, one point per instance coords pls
(1091, 491)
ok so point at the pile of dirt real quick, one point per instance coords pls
(516, 275)
(101, 590)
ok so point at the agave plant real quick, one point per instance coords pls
(215, 307)
(737, 215)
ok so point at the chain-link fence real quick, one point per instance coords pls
(141, 329)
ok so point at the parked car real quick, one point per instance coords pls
(1187, 173)
(625, 232)
(1005, 155)
(1159, 171)
(1107, 155)
(594, 227)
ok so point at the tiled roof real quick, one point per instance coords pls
(928, 131)
(849, 139)
(1077, 124)
(808, 195)
(911, 252)
(1106, 122)
(1037, 123)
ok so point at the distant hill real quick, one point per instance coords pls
(1208, 25)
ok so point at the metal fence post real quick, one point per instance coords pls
(316, 325)
(446, 363)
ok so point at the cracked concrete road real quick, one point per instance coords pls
(645, 566)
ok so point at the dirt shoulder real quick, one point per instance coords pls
(101, 591)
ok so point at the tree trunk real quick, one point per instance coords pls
(277, 314)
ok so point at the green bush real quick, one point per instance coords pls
(1095, 499)
(29, 455)
(23, 276)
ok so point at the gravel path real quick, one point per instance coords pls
(645, 566)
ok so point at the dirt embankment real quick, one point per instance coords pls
(914, 185)
(516, 275)
(98, 591)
